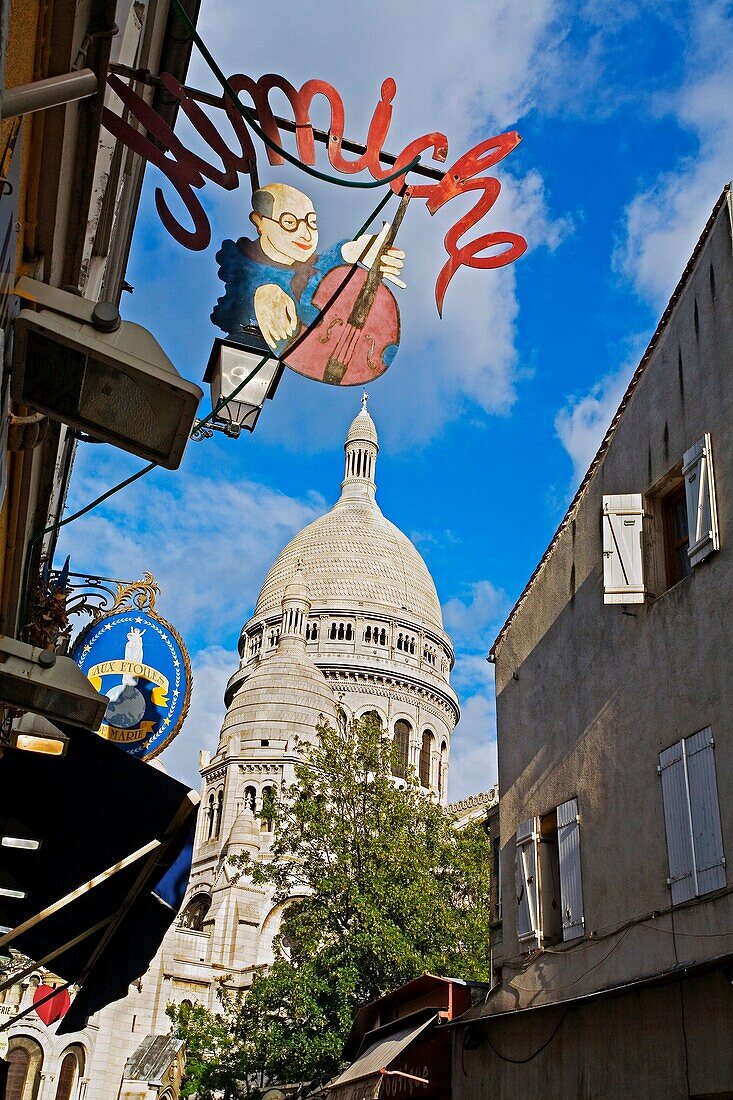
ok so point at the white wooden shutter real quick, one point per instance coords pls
(707, 836)
(571, 889)
(682, 879)
(528, 908)
(702, 513)
(623, 558)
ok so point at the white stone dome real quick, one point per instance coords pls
(353, 556)
(284, 697)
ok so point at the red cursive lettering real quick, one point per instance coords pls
(187, 172)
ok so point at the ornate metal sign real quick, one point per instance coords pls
(139, 661)
(187, 171)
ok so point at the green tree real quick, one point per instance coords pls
(380, 887)
(216, 1059)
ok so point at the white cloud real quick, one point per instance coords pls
(469, 76)
(473, 764)
(663, 221)
(472, 622)
(469, 621)
(211, 669)
(583, 421)
(471, 673)
(208, 541)
(581, 424)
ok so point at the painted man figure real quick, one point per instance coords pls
(270, 282)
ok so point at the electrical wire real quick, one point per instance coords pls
(221, 404)
(569, 985)
(530, 1057)
(642, 921)
(251, 121)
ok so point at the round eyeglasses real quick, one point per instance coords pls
(290, 223)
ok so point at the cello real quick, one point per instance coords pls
(358, 332)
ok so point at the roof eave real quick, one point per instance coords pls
(574, 504)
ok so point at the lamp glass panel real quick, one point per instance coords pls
(30, 743)
(234, 366)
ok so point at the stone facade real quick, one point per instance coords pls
(348, 617)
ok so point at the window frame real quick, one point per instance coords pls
(675, 497)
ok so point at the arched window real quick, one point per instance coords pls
(368, 634)
(341, 632)
(19, 1064)
(314, 632)
(401, 743)
(412, 645)
(333, 631)
(442, 765)
(250, 798)
(219, 811)
(349, 632)
(383, 638)
(71, 1069)
(426, 753)
(25, 1058)
(373, 716)
(399, 641)
(195, 913)
(210, 816)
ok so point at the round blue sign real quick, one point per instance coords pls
(139, 662)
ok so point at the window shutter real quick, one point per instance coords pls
(707, 836)
(528, 924)
(571, 890)
(678, 823)
(623, 559)
(702, 513)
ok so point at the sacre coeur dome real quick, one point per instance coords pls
(354, 555)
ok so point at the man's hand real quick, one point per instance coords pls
(276, 314)
(365, 249)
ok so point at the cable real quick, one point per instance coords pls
(590, 969)
(525, 961)
(683, 1022)
(221, 404)
(530, 1057)
(249, 118)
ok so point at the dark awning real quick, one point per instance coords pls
(112, 825)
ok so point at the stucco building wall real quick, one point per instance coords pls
(588, 696)
(600, 689)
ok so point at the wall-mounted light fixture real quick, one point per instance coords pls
(79, 362)
(52, 687)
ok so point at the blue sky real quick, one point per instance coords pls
(488, 418)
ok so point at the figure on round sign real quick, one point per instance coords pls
(126, 701)
(279, 283)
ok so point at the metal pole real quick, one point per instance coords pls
(53, 92)
(144, 76)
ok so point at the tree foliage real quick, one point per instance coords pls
(380, 887)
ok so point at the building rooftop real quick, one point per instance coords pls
(574, 504)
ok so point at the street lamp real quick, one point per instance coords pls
(231, 360)
(34, 733)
